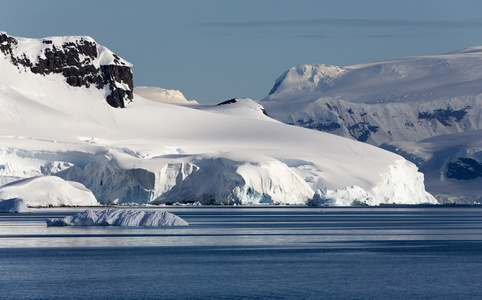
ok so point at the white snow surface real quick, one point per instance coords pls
(244, 107)
(405, 99)
(163, 95)
(44, 191)
(119, 217)
(153, 152)
(14, 205)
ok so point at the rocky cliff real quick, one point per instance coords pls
(82, 62)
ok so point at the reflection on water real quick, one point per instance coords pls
(249, 252)
(240, 226)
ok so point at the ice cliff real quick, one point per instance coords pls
(452, 164)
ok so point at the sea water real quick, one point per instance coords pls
(417, 252)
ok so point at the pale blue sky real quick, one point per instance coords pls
(215, 50)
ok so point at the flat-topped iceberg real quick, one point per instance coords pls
(14, 205)
(119, 217)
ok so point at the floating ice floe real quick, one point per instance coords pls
(119, 217)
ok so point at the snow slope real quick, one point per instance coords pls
(119, 217)
(163, 95)
(405, 99)
(452, 165)
(151, 152)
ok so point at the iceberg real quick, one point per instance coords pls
(119, 217)
(14, 205)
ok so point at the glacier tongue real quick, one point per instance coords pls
(44, 191)
(395, 188)
(119, 217)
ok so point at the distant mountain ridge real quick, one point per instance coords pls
(406, 99)
(163, 95)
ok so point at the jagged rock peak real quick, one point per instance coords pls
(82, 62)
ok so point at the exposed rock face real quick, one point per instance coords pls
(79, 59)
(464, 169)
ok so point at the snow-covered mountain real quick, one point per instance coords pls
(452, 164)
(79, 59)
(163, 95)
(406, 99)
(151, 152)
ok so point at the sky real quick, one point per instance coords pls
(215, 50)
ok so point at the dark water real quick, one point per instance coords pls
(249, 253)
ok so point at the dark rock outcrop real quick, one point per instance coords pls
(231, 101)
(464, 168)
(75, 61)
(445, 116)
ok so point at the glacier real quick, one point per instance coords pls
(45, 191)
(119, 217)
(154, 152)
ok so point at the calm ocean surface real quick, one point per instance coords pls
(426, 252)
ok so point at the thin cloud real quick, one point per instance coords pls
(315, 36)
(350, 23)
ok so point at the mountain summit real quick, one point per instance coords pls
(80, 60)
